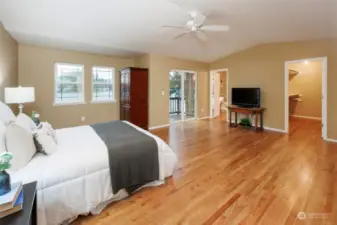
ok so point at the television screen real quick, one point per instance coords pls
(246, 97)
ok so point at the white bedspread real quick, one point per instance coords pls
(75, 179)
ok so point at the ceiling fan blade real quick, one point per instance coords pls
(175, 27)
(215, 28)
(202, 36)
(199, 18)
(181, 35)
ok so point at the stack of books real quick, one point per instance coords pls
(13, 201)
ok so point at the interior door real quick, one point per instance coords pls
(216, 98)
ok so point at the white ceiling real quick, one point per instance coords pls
(133, 27)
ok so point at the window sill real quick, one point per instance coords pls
(68, 103)
(103, 101)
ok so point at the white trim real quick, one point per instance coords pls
(68, 103)
(211, 83)
(274, 129)
(113, 83)
(324, 92)
(157, 127)
(196, 99)
(79, 102)
(264, 127)
(306, 117)
(331, 140)
(102, 101)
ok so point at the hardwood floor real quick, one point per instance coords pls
(237, 176)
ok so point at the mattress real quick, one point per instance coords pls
(75, 180)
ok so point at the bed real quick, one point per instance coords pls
(75, 180)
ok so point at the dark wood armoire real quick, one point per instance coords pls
(134, 89)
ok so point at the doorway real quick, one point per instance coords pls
(183, 96)
(305, 90)
(219, 93)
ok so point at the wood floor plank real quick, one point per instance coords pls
(237, 176)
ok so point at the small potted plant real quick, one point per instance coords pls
(36, 117)
(5, 180)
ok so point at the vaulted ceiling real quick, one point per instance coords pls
(133, 27)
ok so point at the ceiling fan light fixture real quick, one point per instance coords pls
(196, 25)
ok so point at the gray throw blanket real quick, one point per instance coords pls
(133, 155)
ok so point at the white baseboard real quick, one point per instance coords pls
(275, 129)
(157, 127)
(306, 117)
(330, 140)
(266, 128)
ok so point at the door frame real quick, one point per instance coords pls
(183, 95)
(324, 61)
(211, 86)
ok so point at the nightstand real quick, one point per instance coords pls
(28, 215)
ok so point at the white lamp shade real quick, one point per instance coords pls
(19, 95)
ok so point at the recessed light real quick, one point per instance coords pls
(306, 62)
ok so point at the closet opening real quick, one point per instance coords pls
(305, 96)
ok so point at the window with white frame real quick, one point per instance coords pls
(103, 80)
(69, 83)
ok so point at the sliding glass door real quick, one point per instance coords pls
(183, 90)
(189, 102)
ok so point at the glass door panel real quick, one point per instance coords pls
(175, 105)
(189, 96)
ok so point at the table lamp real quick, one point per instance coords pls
(19, 95)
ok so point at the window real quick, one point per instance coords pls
(69, 83)
(103, 79)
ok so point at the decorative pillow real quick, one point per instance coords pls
(25, 121)
(19, 141)
(44, 141)
(49, 129)
(6, 114)
(2, 137)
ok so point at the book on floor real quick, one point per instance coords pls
(8, 200)
(18, 205)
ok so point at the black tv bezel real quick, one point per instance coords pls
(248, 105)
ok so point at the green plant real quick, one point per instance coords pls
(5, 159)
(35, 114)
(245, 122)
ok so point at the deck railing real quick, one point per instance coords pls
(175, 105)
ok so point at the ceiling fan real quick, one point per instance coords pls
(196, 26)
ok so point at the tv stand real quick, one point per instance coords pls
(257, 112)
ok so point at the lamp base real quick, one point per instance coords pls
(20, 107)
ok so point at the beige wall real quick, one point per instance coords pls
(263, 66)
(142, 61)
(160, 66)
(36, 68)
(8, 62)
(307, 83)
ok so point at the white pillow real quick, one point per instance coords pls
(44, 141)
(49, 129)
(20, 143)
(26, 122)
(6, 114)
(2, 137)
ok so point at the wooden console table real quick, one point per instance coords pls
(258, 112)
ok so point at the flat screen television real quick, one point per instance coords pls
(246, 97)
